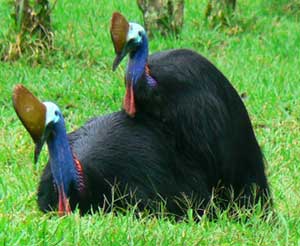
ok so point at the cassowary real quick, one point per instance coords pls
(111, 160)
(194, 101)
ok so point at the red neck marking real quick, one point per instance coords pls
(129, 102)
(147, 69)
(63, 203)
(79, 169)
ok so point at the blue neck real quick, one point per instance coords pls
(137, 63)
(61, 157)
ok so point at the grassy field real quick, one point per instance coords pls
(259, 53)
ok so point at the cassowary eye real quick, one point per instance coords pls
(140, 33)
(56, 113)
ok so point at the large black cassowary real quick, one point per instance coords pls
(111, 160)
(193, 100)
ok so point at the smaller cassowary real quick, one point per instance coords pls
(198, 105)
(111, 160)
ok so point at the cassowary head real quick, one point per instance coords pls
(45, 123)
(130, 38)
(38, 118)
(127, 37)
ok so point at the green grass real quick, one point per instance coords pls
(259, 53)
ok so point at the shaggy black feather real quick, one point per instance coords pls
(212, 128)
(127, 161)
(191, 135)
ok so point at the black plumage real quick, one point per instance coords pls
(195, 101)
(125, 162)
(191, 136)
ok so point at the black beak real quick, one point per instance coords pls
(37, 150)
(119, 58)
(40, 143)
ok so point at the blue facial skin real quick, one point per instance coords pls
(138, 55)
(61, 158)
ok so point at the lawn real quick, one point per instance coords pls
(259, 53)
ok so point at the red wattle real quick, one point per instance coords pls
(63, 203)
(129, 103)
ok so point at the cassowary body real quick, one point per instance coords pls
(209, 120)
(194, 101)
(126, 162)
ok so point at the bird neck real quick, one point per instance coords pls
(65, 167)
(137, 64)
